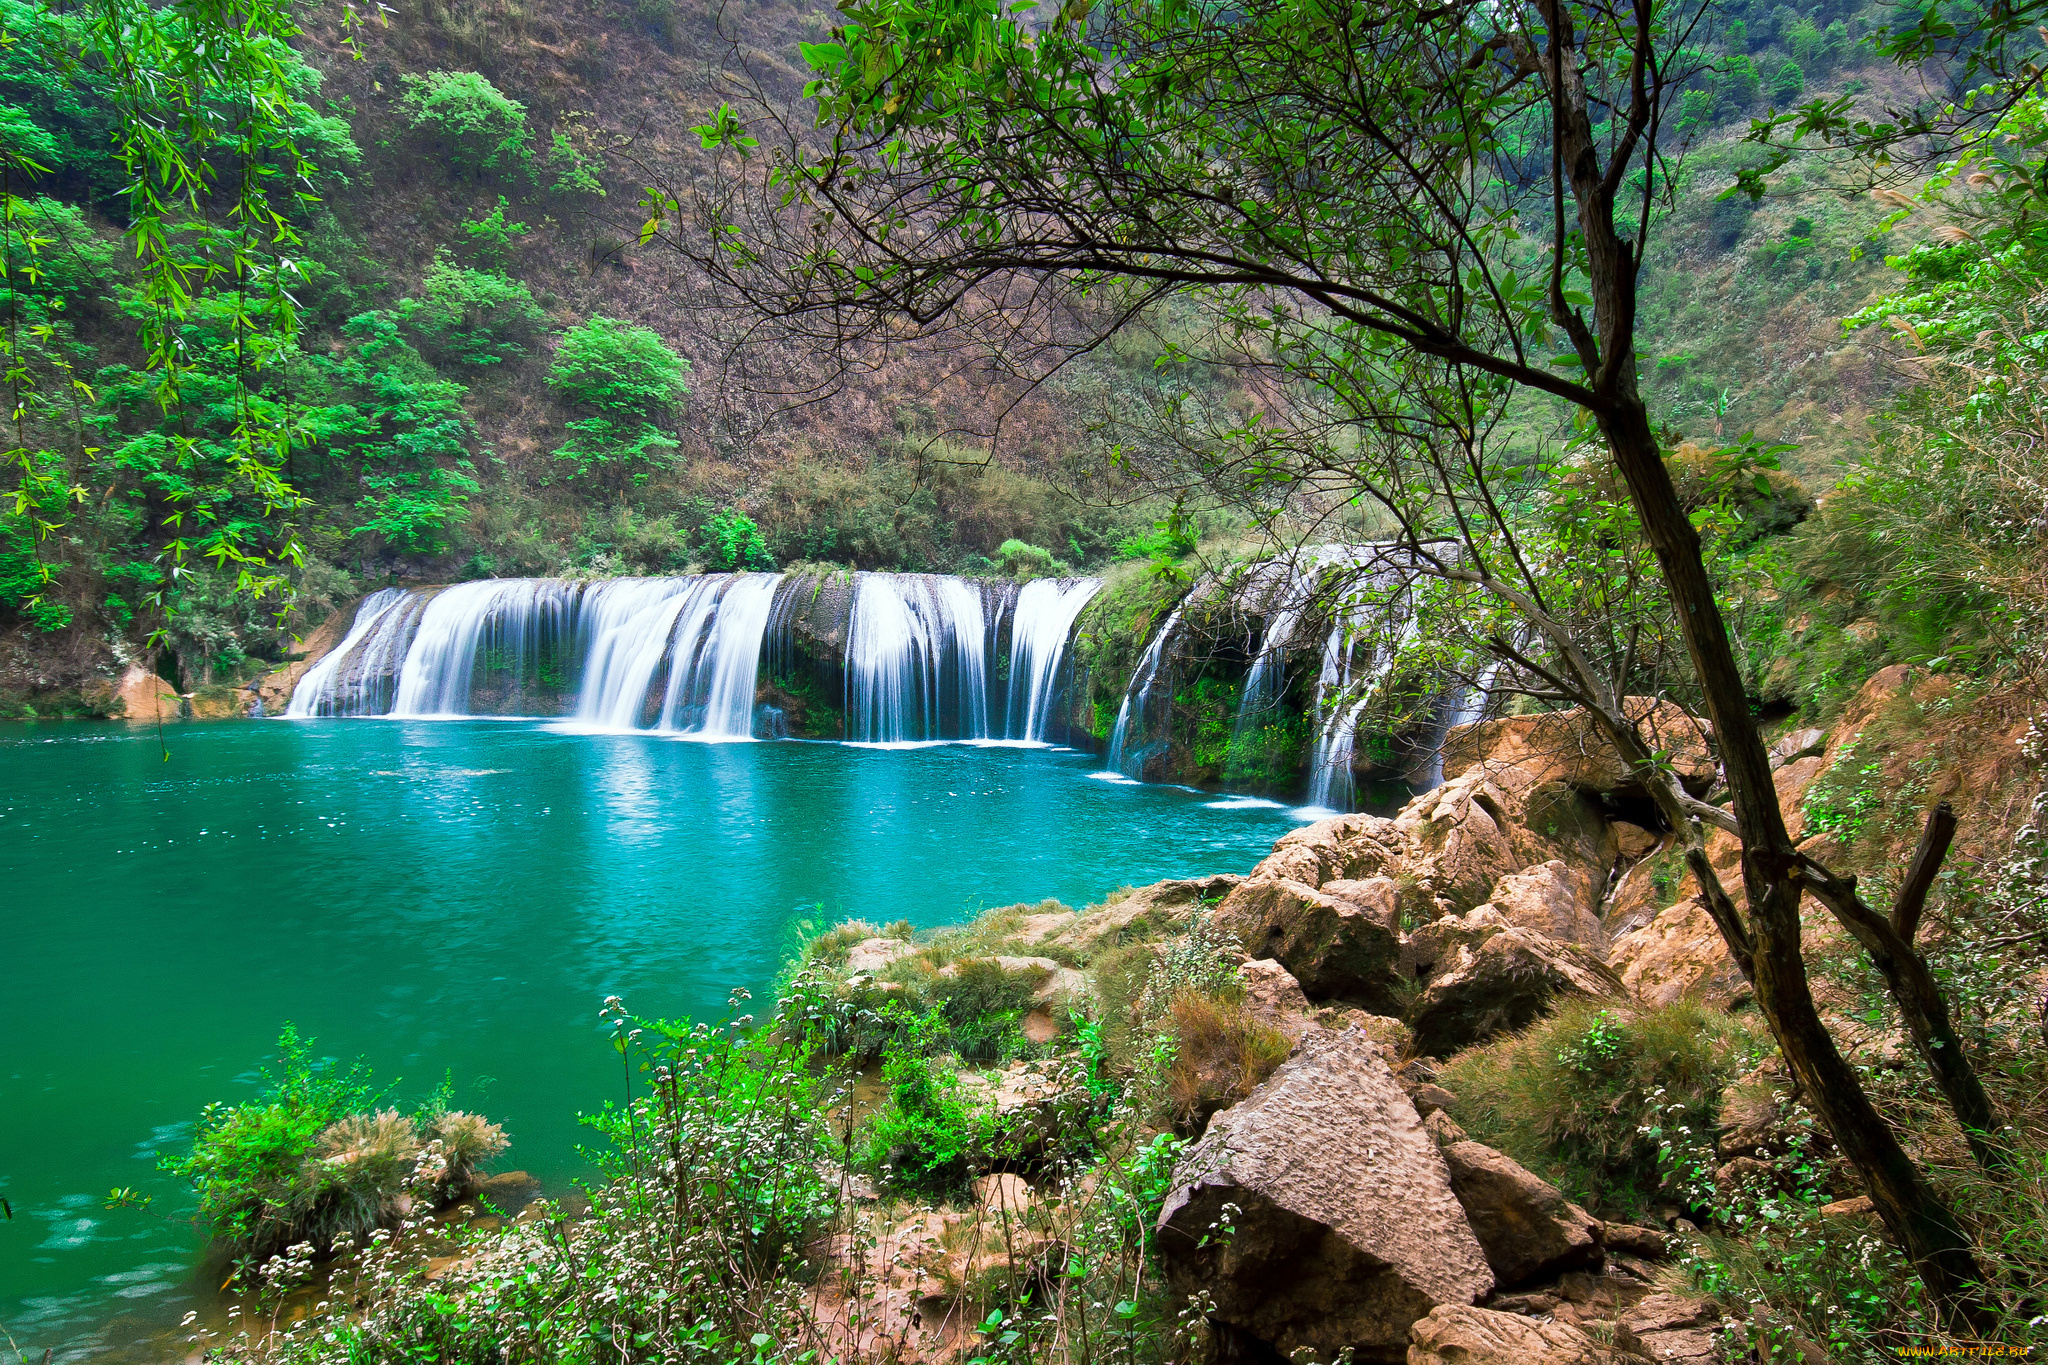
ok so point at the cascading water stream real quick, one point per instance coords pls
(909, 637)
(324, 691)
(683, 655)
(717, 688)
(1043, 619)
(627, 625)
(1130, 717)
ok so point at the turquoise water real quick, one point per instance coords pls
(450, 897)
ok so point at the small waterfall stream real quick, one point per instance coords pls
(1039, 629)
(1130, 716)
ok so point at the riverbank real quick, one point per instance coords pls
(1474, 1083)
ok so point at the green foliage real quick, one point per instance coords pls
(1015, 559)
(984, 1006)
(51, 251)
(730, 543)
(614, 367)
(475, 318)
(490, 237)
(314, 1157)
(1588, 1094)
(610, 451)
(926, 1136)
(1788, 84)
(570, 171)
(398, 430)
(471, 122)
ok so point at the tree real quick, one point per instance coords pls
(470, 317)
(473, 123)
(1406, 219)
(628, 380)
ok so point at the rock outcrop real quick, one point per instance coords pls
(1503, 983)
(1346, 1230)
(1340, 942)
(1458, 1335)
(1524, 1224)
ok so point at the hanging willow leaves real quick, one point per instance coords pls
(207, 126)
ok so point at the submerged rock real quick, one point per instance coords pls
(1345, 1231)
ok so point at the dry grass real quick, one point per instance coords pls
(1222, 1053)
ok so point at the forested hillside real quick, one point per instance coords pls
(489, 376)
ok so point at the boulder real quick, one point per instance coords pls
(1567, 747)
(1457, 842)
(1671, 1327)
(1549, 900)
(1339, 848)
(1146, 912)
(1526, 1226)
(1633, 841)
(1430, 1098)
(1455, 1334)
(1503, 984)
(1274, 997)
(1649, 1244)
(1346, 1230)
(139, 694)
(1679, 953)
(1798, 744)
(1433, 947)
(1334, 948)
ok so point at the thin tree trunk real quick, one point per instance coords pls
(1773, 876)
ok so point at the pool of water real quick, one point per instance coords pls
(450, 898)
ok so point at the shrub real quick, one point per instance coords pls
(730, 542)
(985, 1005)
(1582, 1094)
(615, 367)
(612, 451)
(316, 1157)
(570, 171)
(471, 317)
(475, 127)
(490, 236)
(925, 1136)
(1221, 1053)
(1017, 560)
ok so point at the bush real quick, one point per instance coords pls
(731, 542)
(925, 1136)
(1015, 559)
(615, 367)
(315, 1157)
(1221, 1053)
(490, 236)
(570, 171)
(471, 317)
(1583, 1095)
(474, 126)
(613, 451)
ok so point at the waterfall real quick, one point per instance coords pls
(1130, 717)
(510, 618)
(361, 679)
(1043, 619)
(316, 692)
(1330, 781)
(916, 649)
(626, 626)
(715, 687)
(916, 656)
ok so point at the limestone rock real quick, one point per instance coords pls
(1671, 1327)
(1454, 1334)
(1679, 953)
(871, 955)
(140, 695)
(1633, 841)
(1432, 948)
(1627, 1239)
(1430, 1098)
(1504, 983)
(1274, 997)
(1340, 848)
(1334, 948)
(1457, 842)
(1443, 1128)
(1526, 1226)
(1146, 912)
(1549, 900)
(1566, 746)
(1798, 744)
(1346, 1232)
